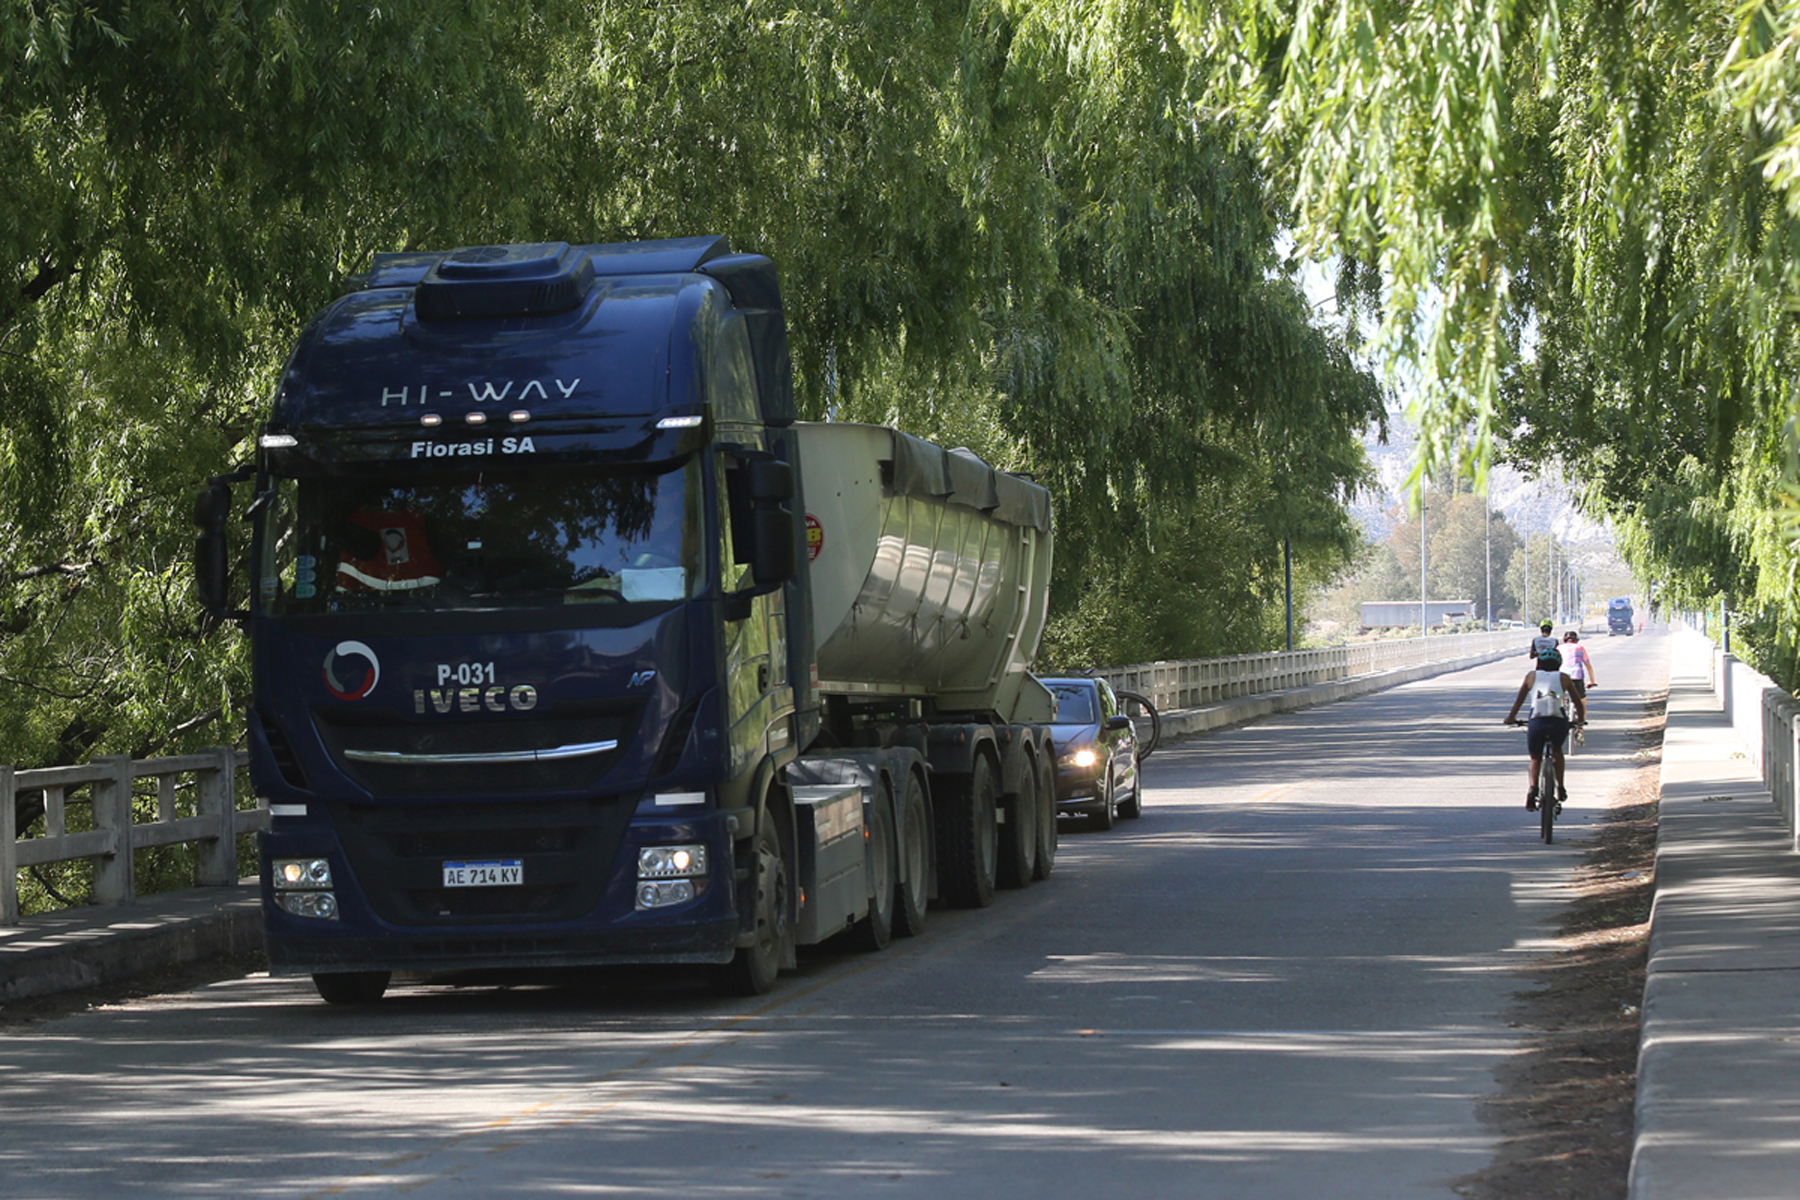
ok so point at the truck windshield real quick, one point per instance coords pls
(477, 540)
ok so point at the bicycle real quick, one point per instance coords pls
(1545, 787)
(1548, 804)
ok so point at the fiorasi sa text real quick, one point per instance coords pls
(510, 445)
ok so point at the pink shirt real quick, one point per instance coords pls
(1575, 655)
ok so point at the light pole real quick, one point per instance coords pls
(1487, 536)
(1287, 570)
(1527, 601)
(1424, 611)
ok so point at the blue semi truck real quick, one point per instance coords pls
(571, 646)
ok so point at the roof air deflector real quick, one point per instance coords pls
(505, 281)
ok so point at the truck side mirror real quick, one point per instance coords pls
(773, 556)
(770, 545)
(771, 481)
(212, 554)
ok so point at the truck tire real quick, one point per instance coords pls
(1019, 836)
(968, 841)
(753, 969)
(1046, 855)
(915, 859)
(352, 987)
(874, 931)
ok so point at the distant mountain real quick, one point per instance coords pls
(1531, 506)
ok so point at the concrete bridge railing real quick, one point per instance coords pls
(1195, 682)
(196, 800)
(1766, 719)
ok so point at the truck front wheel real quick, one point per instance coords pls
(352, 987)
(969, 838)
(874, 930)
(752, 971)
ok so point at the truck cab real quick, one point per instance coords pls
(522, 572)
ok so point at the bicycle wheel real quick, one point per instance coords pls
(1547, 796)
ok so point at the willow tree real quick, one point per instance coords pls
(1581, 223)
(999, 223)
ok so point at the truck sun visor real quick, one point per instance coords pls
(505, 281)
(958, 477)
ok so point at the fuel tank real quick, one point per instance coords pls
(930, 571)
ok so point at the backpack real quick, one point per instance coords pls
(1547, 701)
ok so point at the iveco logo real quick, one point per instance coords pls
(351, 680)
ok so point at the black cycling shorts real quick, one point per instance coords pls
(1540, 730)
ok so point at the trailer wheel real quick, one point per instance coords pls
(915, 859)
(752, 970)
(1046, 855)
(968, 838)
(875, 930)
(1019, 836)
(352, 987)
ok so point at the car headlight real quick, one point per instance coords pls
(1084, 757)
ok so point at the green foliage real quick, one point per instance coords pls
(1585, 223)
(998, 224)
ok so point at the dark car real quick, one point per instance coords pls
(1096, 752)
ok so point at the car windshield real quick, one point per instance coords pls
(1074, 703)
(480, 540)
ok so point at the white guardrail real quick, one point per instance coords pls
(1765, 718)
(1196, 682)
(196, 800)
(209, 814)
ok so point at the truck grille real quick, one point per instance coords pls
(398, 853)
(383, 729)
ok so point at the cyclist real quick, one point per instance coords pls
(1551, 695)
(1545, 640)
(1580, 662)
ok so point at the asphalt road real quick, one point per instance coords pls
(1289, 978)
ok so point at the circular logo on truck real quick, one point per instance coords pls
(815, 538)
(348, 679)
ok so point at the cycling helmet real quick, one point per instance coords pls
(1544, 625)
(1550, 660)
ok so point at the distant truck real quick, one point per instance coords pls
(1619, 617)
(570, 646)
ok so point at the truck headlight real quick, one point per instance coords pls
(671, 862)
(302, 874)
(663, 893)
(322, 905)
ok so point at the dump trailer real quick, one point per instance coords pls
(571, 646)
(1619, 617)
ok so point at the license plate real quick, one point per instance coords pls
(501, 872)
